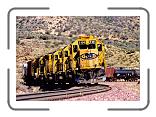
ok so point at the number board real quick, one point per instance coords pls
(92, 42)
(82, 42)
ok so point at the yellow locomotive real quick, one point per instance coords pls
(83, 61)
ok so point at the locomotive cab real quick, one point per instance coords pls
(88, 53)
(57, 65)
(90, 59)
(35, 68)
(42, 68)
(48, 65)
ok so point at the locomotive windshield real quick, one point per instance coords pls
(82, 45)
(91, 44)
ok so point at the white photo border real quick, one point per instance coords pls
(144, 85)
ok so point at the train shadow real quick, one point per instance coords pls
(65, 86)
(49, 86)
(52, 86)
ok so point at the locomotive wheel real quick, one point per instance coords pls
(61, 80)
(60, 77)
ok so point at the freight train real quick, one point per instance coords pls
(122, 74)
(82, 61)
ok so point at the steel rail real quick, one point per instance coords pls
(63, 94)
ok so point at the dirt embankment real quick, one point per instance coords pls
(121, 91)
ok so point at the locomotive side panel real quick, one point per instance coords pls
(74, 55)
(42, 68)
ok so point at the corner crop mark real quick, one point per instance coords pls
(19, 109)
(148, 19)
(8, 70)
(148, 98)
(19, 8)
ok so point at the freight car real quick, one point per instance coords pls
(122, 74)
(82, 61)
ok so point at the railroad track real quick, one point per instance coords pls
(63, 94)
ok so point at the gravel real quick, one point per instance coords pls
(121, 91)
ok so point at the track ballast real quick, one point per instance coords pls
(63, 94)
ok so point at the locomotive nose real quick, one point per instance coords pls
(89, 56)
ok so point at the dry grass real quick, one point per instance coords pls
(118, 57)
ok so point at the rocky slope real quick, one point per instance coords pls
(118, 33)
(60, 27)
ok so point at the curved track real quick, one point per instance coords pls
(63, 94)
